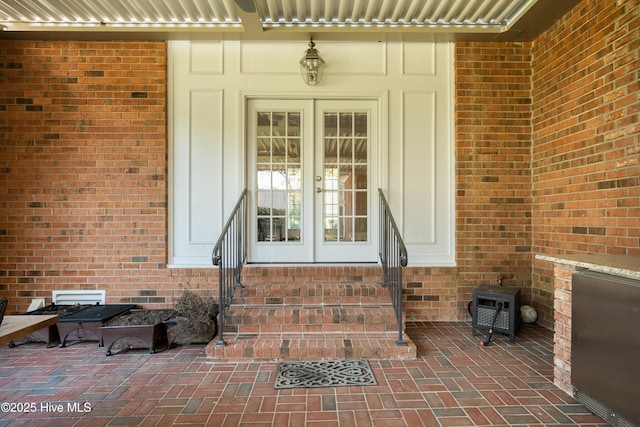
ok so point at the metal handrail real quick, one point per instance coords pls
(393, 257)
(229, 254)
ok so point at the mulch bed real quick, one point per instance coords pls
(142, 318)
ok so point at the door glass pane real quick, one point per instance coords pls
(264, 177)
(264, 203)
(264, 150)
(345, 207)
(330, 125)
(293, 152)
(346, 124)
(361, 203)
(360, 177)
(278, 150)
(346, 151)
(346, 229)
(279, 176)
(360, 150)
(361, 124)
(264, 124)
(360, 230)
(293, 126)
(330, 150)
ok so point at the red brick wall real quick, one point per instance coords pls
(83, 189)
(586, 136)
(493, 157)
(83, 171)
(83, 165)
(566, 110)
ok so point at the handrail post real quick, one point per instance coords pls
(241, 243)
(229, 254)
(221, 304)
(393, 257)
(400, 341)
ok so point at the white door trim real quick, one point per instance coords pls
(378, 167)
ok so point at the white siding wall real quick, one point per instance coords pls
(210, 82)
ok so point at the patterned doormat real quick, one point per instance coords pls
(325, 373)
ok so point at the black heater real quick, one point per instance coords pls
(487, 300)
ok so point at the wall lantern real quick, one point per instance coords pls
(312, 65)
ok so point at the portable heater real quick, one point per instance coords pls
(487, 300)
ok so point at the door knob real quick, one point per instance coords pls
(320, 190)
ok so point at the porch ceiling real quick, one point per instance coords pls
(281, 19)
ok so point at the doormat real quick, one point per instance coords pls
(325, 373)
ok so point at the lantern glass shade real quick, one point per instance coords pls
(312, 66)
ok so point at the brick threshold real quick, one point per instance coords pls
(310, 346)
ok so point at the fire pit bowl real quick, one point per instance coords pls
(138, 329)
(85, 324)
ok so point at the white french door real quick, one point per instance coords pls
(311, 178)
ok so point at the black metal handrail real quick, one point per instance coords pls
(393, 256)
(229, 254)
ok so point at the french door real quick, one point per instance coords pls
(311, 178)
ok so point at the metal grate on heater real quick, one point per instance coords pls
(485, 318)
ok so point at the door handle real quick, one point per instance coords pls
(320, 190)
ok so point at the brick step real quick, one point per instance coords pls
(276, 347)
(312, 294)
(306, 319)
(306, 313)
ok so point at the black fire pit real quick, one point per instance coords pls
(51, 334)
(138, 329)
(86, 323)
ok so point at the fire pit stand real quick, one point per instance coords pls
(146, 327)
(85, 324)
(50, 335)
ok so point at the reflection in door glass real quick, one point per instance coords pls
(279, 180)
(345, 201)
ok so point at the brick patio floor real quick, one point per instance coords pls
(454, 382)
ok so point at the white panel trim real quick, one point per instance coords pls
(390, 81)
(411, 51)
(341, 58)
(350, 59)
(216, 135)
(283, 60)
(217, 58)
(184, 251)
(429, 167)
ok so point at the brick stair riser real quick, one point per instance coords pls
(313, 301)
(313, 315)
(312, 274)
(335, 294)
(309, 349)
(287, 323)
(385, 315)
(309, 329)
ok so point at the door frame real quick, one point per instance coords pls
(379, 158)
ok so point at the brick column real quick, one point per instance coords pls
(562, 326)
